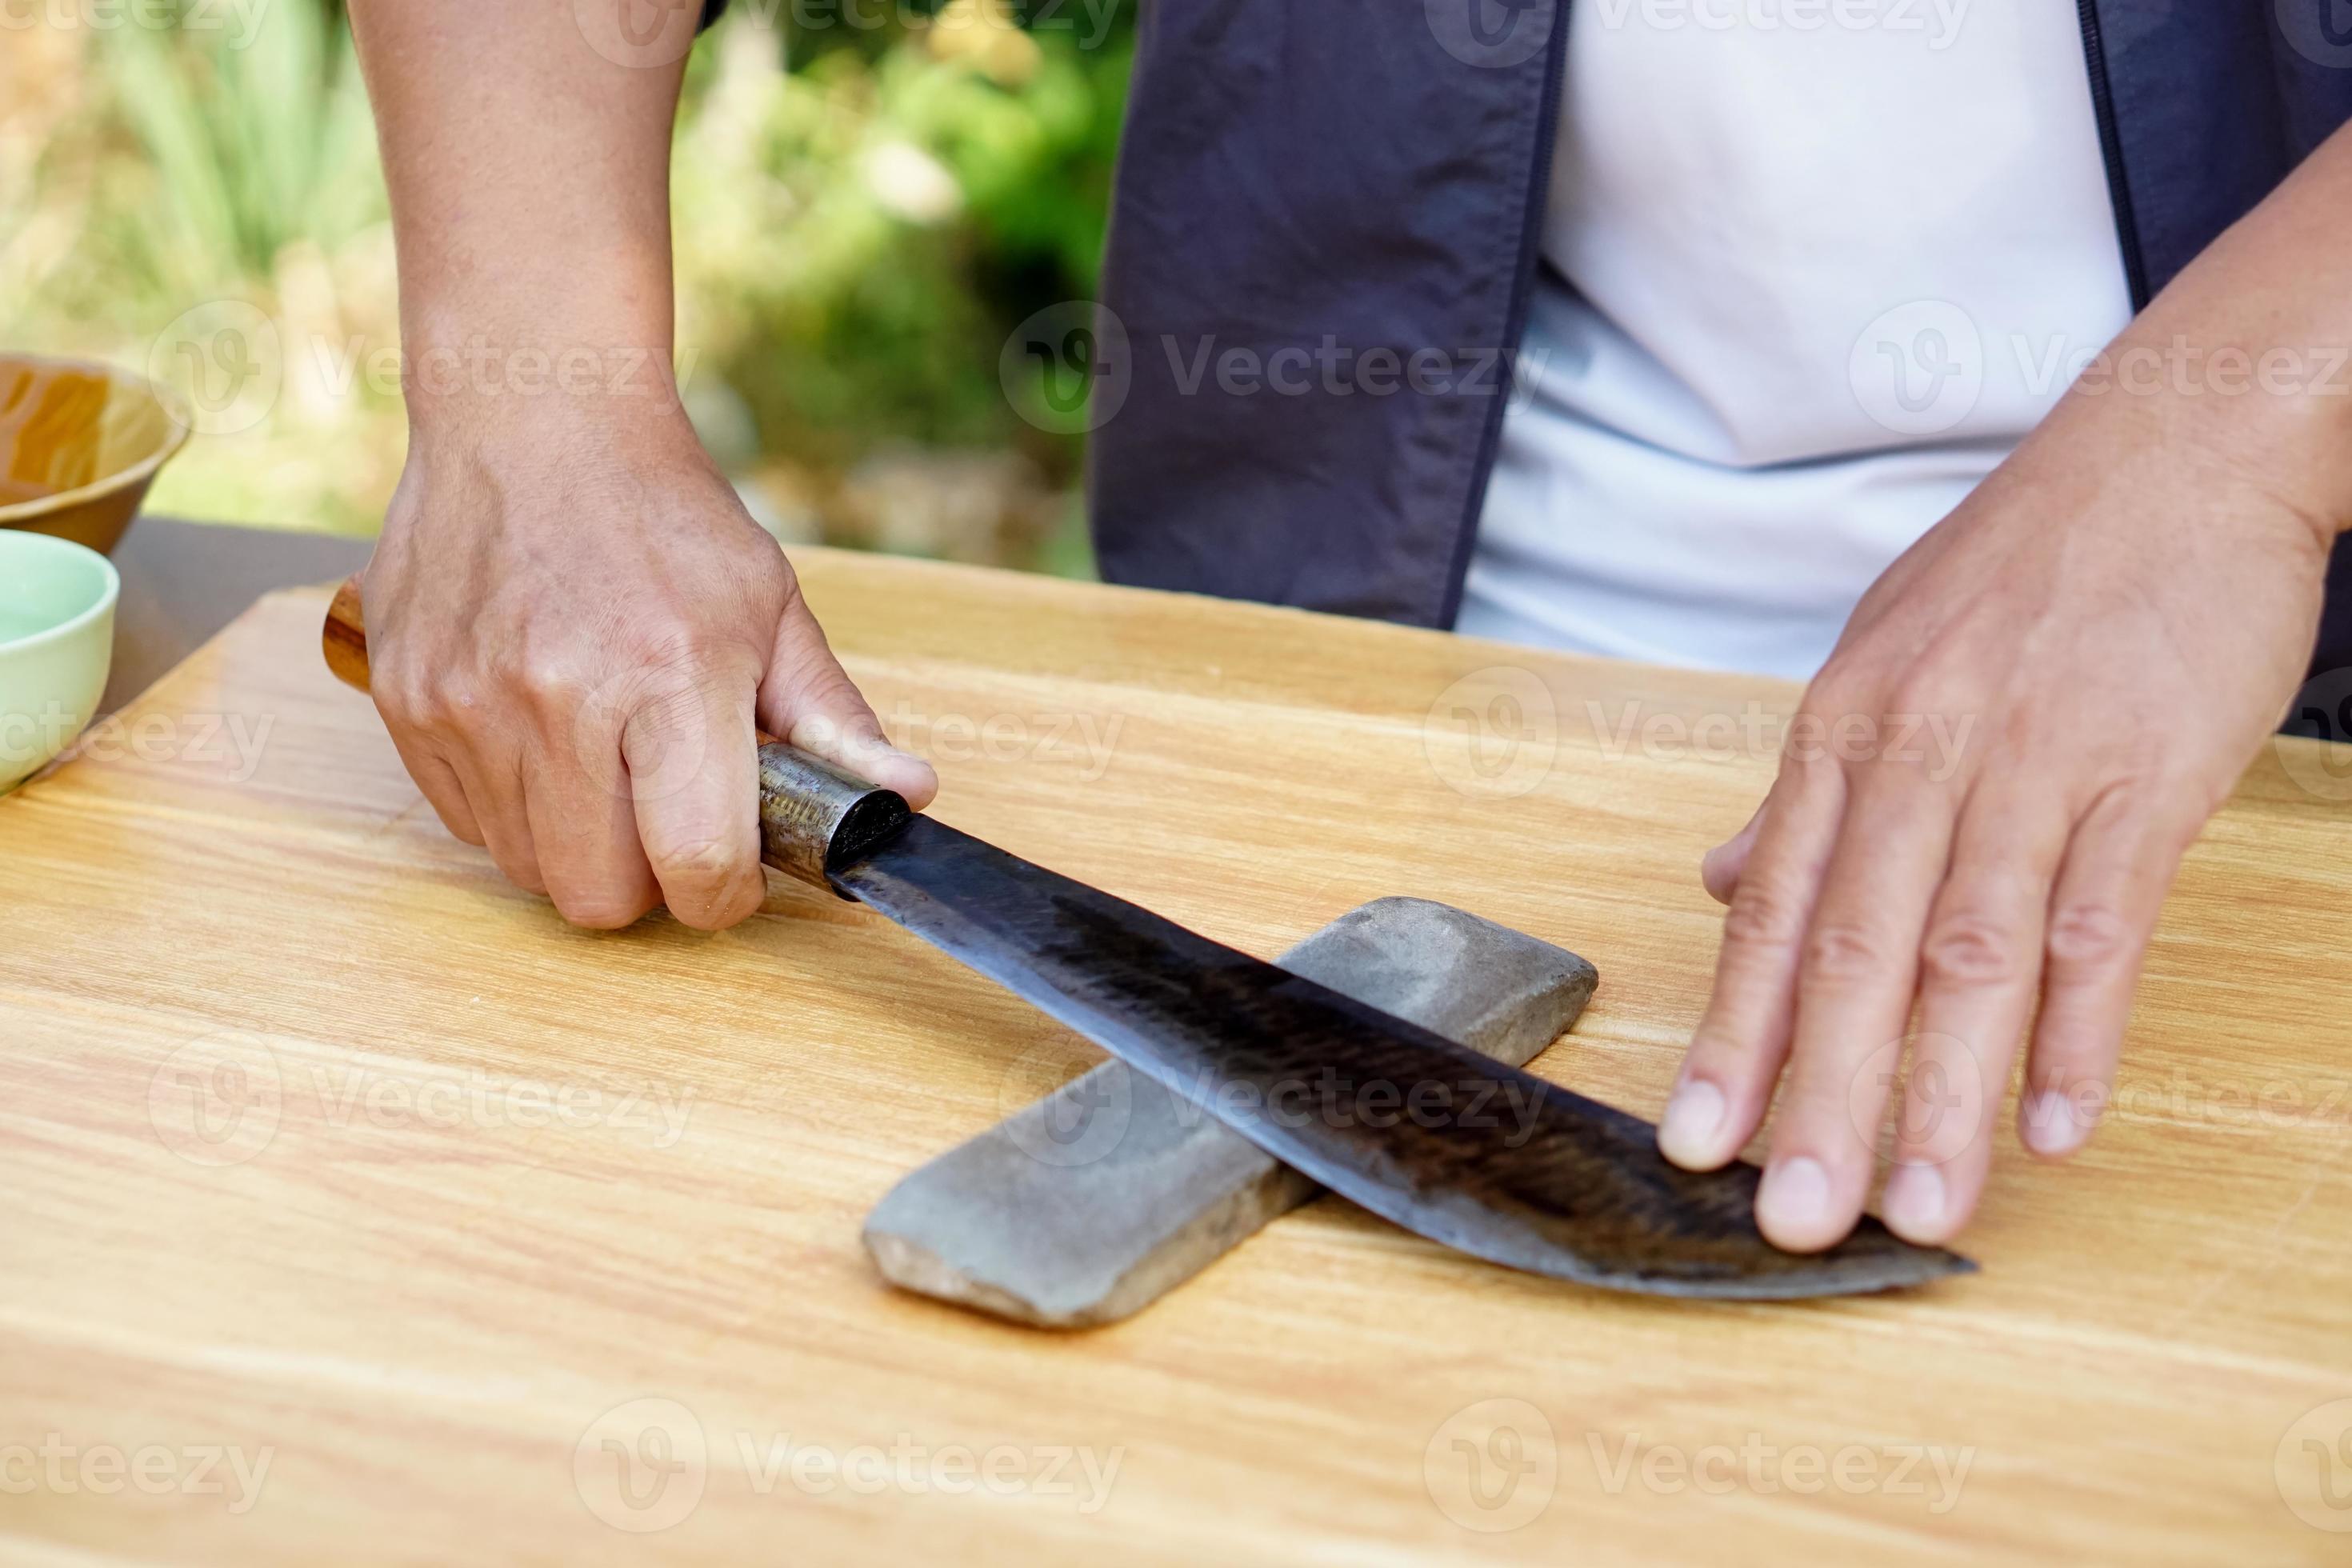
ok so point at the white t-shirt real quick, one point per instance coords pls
(1812, 284)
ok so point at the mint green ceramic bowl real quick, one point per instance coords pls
(57, 641)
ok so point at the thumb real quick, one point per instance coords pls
(1720, 869)
(810, 701)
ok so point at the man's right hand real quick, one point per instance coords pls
(572, 626)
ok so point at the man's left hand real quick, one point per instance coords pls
(2103, 635)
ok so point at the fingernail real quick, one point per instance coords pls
(2051, 1126)
(1914, 1200)
(1795, 1200)
(859, 751)
(1686, 1131)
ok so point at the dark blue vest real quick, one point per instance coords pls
(1352, 180)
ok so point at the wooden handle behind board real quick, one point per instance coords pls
(345, 636)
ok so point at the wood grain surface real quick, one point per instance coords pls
(360, 1211)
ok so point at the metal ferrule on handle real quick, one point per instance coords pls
(813, 817)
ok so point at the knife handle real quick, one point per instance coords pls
(814, 815)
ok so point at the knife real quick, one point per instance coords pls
(1480, 1157)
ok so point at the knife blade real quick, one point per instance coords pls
(1486, 1159)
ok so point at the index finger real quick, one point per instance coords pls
(1735, 1058)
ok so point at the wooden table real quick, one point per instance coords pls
(494, 1239)
(181, 581)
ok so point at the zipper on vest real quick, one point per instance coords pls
(1515, 316)
(2111, 148)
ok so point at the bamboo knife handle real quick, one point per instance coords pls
(812, 815)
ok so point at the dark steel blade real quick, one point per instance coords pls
(1481, 1157)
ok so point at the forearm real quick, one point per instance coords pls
(2245, 359)
(530, 185)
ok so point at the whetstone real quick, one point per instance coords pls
(1111, 1191)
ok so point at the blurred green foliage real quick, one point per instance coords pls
(245, 150)
(866, 202)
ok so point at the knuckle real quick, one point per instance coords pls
(665, 642)
(1842, 951)
(1968, 950)
(768, 576)
(523, 874)
(686, 634)
(1925, 689)
(460, 824)
(407, 700)
(599, 910)
(2086, 937)
(676, 669)
(401, 706)
(1808, 767)
(454, 717)
(548, 684)
(434, 701)
(1835, 690)
(713, 906)
(699, 858)
(452, 706)
(1763, 917)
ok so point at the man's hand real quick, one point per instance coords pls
(2029, 718)
(2095, 657)
(572, 626)
(572, 621)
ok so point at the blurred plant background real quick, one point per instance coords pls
(866, 201)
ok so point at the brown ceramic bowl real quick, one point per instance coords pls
(80, 444)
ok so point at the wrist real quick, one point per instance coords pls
(2263, 436)
(487, 381)
(548, 472)
(2274, 456)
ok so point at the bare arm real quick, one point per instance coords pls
(575, 624)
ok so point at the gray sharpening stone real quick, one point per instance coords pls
(1111, 1191)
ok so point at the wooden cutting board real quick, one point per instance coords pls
(357, 1210)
